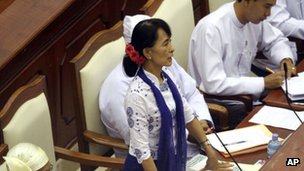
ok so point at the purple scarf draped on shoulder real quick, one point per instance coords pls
(167, 160)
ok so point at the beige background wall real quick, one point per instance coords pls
(214, 4)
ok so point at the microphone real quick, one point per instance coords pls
(286, 93)
(227, 150)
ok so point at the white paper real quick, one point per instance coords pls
(241, 138)
(295, 87)
(278, 117)
(198, 162)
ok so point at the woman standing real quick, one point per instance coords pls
(157, 112)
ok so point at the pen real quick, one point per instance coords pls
(269, 70)
(237, 142)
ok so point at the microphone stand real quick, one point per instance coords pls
(227, 150)
(286, 93)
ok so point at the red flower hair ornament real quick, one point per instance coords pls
(134, 55)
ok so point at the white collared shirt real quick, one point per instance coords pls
(114, 90)
(144, 117)
(288, 16)
(222, 50)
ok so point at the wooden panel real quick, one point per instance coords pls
(40, 37)
(200, 9)
(47, 53)
(292, 148)
(26, 18)
(4, 4)
(130, 8)
(3, 152)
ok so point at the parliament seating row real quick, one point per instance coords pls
(34, 123)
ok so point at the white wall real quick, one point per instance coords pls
(214, 4)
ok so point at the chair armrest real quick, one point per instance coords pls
(3, 152)
(88, 159)
(246, 99)
(97, 138)
(221, 113)
(299, 43)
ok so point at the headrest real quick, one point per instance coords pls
(26, 156)
(129, 23)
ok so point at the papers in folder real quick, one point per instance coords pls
(241, 140)
(198, 162)
(295, 87)
(277, 117)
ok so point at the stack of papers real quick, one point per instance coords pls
(278, 117)
(198, 162)
(241, 140)
(295, 87)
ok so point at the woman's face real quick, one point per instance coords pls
(162, 52)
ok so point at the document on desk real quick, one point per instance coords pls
(277, 117)
(241, 140)
(198, 162)
(295, 87)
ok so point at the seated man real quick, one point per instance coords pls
(114, 90)
(287, 16)
(224, 44)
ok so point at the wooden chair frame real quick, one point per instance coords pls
(29, 91)
(86, 136)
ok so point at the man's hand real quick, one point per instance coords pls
(274, 80)
(291, 69)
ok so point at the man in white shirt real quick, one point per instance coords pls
(115, 86)
(224, 44)
(287, 16)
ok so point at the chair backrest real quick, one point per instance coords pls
(26, 118)
(179, 15)
(91, 66)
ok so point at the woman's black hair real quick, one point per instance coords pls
(144, 35)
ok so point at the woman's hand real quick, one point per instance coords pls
(213, 163)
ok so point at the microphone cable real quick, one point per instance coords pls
(286, 94)
(215, 133)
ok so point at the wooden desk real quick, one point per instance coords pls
(292, 148)
(262, 154)
(277, 97)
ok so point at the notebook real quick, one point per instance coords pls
(295, 87)
(241, 140)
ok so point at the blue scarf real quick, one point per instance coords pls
(167, 160)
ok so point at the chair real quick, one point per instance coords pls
(300, 48)
(91, 66)
(3, 152)
(179, 15)
(246, 99)
(25, 118)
